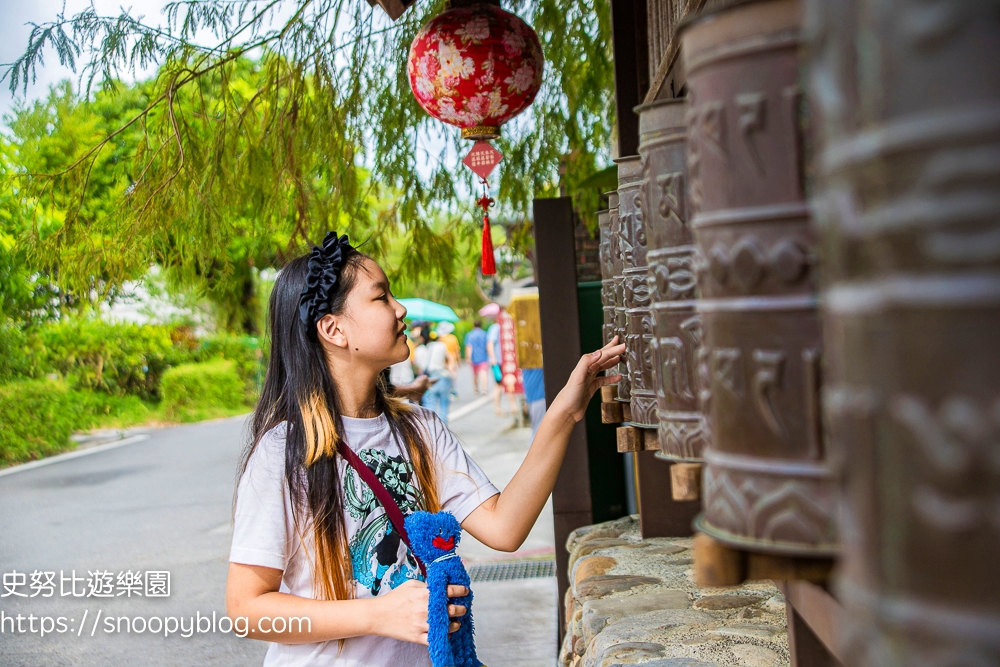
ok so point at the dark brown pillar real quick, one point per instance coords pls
(631, 52)
(557, 305)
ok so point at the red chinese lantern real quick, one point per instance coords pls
(476, 67)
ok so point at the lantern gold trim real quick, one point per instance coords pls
(481, 132)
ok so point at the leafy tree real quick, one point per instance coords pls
(295, 118)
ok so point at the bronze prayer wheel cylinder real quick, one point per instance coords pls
(768, 485)
(909, 201)
(607, 276)
(638, 316)
(671, 279)
(620, 240)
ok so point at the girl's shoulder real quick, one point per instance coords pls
(270, 447)
(430, 421)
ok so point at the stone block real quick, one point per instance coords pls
(603, 585)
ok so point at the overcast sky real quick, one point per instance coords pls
(15, 15)
(14, 32)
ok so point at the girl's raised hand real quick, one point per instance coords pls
(585, 381)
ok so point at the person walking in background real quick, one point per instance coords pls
(446, 334)
(493, 352)
(534, 396)
(477, 355)
(436, 362)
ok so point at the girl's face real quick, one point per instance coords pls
(373, 320)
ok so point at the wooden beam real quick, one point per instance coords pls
(629, 39)
(394, 8)
(666, 66)
(816, 625)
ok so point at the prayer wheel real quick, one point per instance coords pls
(619, 242)
(607, 276)
(908, 204)
(638, 316)
(671, 278)
(768, 485)
(607, 279)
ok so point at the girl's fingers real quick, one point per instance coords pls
(456, 610)
(422, 639)
(604, 380)
(455, 625)
(600, 359)
(608, 363)
(456, 591)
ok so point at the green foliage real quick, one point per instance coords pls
(223, 164)
(202, 391)
(38, 416)
(13, 359)
(115, 358)
(246, 354)
(36, 420)
(99, 410)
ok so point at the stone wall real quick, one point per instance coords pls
(634, 602)
(588, 246)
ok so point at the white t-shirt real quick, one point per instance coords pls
(263, 533)
(401, 373)
(432, 357)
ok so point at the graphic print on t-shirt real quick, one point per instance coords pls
(375, 546)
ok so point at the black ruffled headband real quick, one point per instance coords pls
(324, 270)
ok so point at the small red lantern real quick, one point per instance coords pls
(476, 67)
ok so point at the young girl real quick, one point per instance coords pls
(310, 540)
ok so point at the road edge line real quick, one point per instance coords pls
(74, 454)
(469, 408)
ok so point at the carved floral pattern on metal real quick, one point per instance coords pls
(475, 66)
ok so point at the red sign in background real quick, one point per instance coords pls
(511, 380)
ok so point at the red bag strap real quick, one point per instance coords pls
(384, 497)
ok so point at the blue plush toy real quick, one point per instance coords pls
(433, 538)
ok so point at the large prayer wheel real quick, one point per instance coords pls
(607, 276)
(620, 240)
(670, 253)
(638, 316)
(909, 205)
(767, 482)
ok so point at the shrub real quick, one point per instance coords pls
(36, 420)
(201, 391)
(116, 358)
(97, 409)
(244, 351)
(14, 362)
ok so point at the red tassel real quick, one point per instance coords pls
(489, 266)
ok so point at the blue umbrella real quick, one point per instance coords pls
(422, 309)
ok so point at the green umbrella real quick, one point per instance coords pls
(422, 309)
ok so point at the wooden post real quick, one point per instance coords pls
(557, 303)
(629, 439)
(631, 57)
(685, 481)
(815, 625)
(715, 564)
(659, 514)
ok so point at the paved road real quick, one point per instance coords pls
(164, 504)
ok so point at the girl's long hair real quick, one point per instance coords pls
(299, 390)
